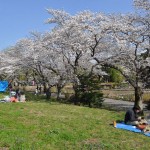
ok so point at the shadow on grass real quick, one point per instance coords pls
(30, 96)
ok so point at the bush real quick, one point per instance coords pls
(92, 99)
(32, 97)
(88, 92)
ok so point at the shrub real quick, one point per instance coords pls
(92, 99)
(88, 92)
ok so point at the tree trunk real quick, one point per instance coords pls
(44, 87)
(90, 104)
(75, 88)
(58, 92)
(138, 97)
(48, 93)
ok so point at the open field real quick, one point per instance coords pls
(54, 126)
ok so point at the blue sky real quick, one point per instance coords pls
(20, 17)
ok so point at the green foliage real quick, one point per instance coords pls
(115, 75)
(89, 91)
(3, 94)
(40, 97)
(32, 97)
(93, 99)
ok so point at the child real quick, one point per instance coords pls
(14, 99)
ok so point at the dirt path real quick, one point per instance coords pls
(119, 104)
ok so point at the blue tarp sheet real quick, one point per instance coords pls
(130, 128)
(3, 86)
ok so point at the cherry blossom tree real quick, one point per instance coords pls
(41, 55)
(129, 51)
(8, 68)
(76, 36)
(142, 4)
(84, 43)
(117, 41)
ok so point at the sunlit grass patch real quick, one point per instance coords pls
(41, 125)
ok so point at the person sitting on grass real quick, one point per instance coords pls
(22, 97)
(132, 117)
(14, 99)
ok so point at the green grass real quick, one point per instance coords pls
(38, 125)
(3, 94)
(54, 126)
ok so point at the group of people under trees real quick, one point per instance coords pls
(16, 95)
(19, 96)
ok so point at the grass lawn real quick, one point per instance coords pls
(54, 126)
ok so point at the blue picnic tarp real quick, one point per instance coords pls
(3, 86)
(130, 128)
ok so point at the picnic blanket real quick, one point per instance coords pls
(131, 128)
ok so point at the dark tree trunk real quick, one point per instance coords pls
(58, 92)
(48, 93)
(90, 104)
(75, 88)
(138, 97)
(44, 87)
